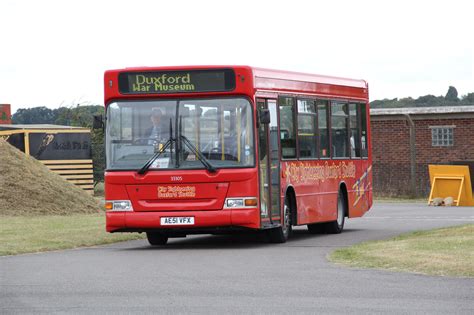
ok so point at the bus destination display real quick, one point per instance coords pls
(176, 81)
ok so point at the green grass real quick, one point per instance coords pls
(400, 200)
(21, 234)
(443, 252)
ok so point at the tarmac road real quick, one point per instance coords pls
(232, 274)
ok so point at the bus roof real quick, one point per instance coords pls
(306, 77)
(263, 73)
(261, 80)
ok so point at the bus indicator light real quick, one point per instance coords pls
(251, 202)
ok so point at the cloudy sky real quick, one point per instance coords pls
(54, 53)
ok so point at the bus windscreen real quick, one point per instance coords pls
(162, 82)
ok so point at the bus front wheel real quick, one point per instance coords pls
(156, 238)
(281, 233)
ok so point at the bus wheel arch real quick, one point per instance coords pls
(291, 196)
(343, 191)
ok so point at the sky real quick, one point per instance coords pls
(54, 53)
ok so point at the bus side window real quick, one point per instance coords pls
(323, 128)
(339, 130)
(307, 129)
(363, 134)
(287, 127)
(354, 122)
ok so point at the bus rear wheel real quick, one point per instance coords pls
(336, 227)
(281, 233)
(156, 238)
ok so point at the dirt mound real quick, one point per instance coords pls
(27, 187)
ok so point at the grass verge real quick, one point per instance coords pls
(400, 200)
(21, 234)
(443, 252)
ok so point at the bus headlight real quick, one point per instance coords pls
(246, 202)
(118, 205)
(234, 203)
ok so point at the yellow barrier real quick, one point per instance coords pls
(77, 172)
(451, 181)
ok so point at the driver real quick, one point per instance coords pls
(154, 133)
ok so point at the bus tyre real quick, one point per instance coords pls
(156, 238)
(281, 233)
(336, 227)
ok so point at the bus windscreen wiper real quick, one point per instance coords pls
(198, 154)
(167, 144)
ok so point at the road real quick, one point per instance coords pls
(232, 274)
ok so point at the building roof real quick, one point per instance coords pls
(39, 127)
(422, 110)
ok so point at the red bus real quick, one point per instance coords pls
(219, 149)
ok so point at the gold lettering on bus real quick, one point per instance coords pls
(163, 83)
(300, 172)
(361, 186)
(174, 192)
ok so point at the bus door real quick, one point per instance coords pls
(269, 166)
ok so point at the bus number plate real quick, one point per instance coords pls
(177, 220)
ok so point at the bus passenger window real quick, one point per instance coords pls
(323, 129)
(307, 129)
(363, 134)
(287, 127)
(339, 130)
(354, 121)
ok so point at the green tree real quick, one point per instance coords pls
(34, 115)
(98, 154)
(452, 95)
(429, 100)
(468, 99)
(80, 116)
(63, 116)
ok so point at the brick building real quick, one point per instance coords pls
(406, 140)
(5, 114)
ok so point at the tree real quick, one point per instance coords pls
(429, 100)
(80, 116)
(468, 99)
(452, 95)
(35, 115)
(63, 116)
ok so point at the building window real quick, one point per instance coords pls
(442, 136)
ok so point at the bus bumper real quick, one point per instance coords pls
(147, 221)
